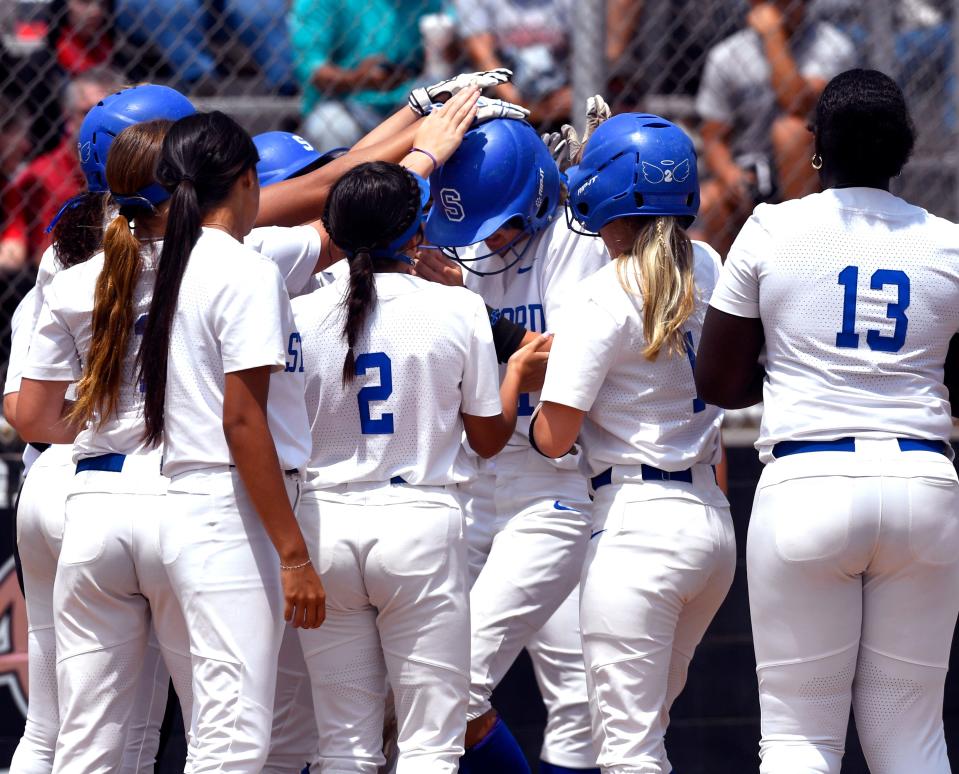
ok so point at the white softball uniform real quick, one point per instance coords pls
(22, 324)
(233, 313)
(528, 517)
(662, 553)
(382, 520)
(111, 588)
(853, 547)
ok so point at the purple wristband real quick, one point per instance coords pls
(426, 153)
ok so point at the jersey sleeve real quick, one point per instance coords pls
(248, 318)
(480, 385)
(572, 258)
(737, 291)
(52, 353)
(584, 348)
(22, 325)
(295, 252)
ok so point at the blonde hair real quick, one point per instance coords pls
(131, 166)
(661, 262)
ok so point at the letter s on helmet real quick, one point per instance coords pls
(502, 170)
(634, 164)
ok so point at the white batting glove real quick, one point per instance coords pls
(597, 111)
(557, 145)
(421, 100)
(487, 109)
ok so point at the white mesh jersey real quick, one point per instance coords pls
(638, 411)
(532, 292)
(22, 324)
(858, 293)
(64, 331)
(233, 313)
(425, 358)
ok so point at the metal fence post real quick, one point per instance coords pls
(589, 56)
(881, 26)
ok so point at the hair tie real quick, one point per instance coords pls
(187, 179)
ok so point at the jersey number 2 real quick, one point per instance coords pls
(847, 337)
(381, 362)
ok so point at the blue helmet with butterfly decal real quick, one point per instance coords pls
(634, 164)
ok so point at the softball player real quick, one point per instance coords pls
(662, 553)
(41, 507)
(853, 546)
(110, 585)
(527, 518)
(214, 345)
(397, 368)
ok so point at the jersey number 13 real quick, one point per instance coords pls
(895, 310)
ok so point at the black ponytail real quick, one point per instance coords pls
(371, 205)
(203, 156)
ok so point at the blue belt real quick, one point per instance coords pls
(785, 448)
(649, 474)
(111, 463)
(397, 480)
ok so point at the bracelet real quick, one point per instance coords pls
(307, 563)
(426, 153)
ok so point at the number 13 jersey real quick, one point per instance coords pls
(425, 357)
(858, 293)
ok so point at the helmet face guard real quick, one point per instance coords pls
(501, 171)
(634, 165)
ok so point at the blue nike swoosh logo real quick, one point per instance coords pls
(600, 532)
(560, 507)
(524, 269)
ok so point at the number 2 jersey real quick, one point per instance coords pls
(426, 356)
(638, 411)
(858, 293)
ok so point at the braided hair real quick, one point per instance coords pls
(368, 208)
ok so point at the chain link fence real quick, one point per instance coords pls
(741, 76)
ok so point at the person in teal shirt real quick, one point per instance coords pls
(356, 61)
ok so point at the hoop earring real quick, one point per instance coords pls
(816, 162)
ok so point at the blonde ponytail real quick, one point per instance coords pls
(98, 392)
(661, 261)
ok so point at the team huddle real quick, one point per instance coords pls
(327, 440)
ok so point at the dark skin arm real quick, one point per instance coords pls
(951, 374)
(728, 373)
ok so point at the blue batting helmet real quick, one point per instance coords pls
(634, 164)
(502, 170)
(115, 113)
(284, 155)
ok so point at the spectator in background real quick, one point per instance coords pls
(179, 29)
(79, 34)
(532, 38)
(357, 62)
(755, 99)
(14, 148)
(52, 178)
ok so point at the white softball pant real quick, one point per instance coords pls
(527, 528)
(110, 596)
(226, 575)
(659, 565)
(853, 568)
(393, 563)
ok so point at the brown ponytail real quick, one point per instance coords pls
(130, 167)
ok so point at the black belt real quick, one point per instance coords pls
(785, 448)
(649, 474)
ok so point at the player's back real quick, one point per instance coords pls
(425, 357)
(859, 297)
(67, 329)
(640, 411)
